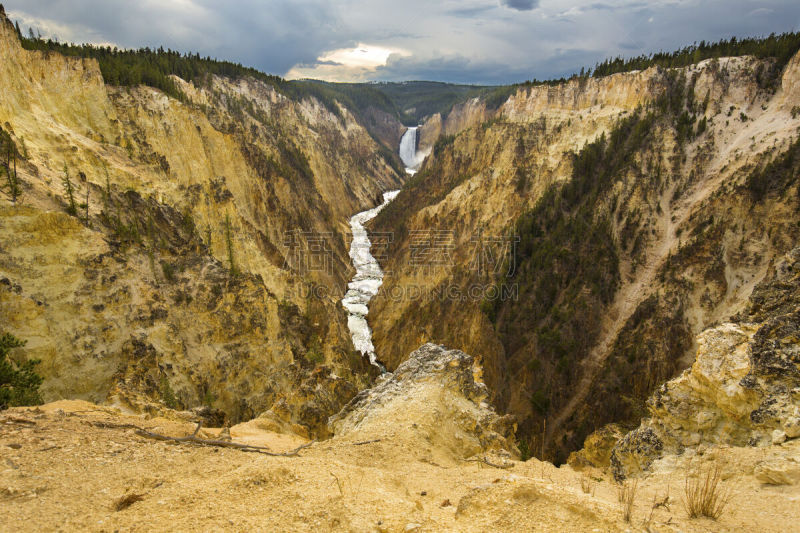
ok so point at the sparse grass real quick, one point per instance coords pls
(704, 495)
(626, 496)
(338, 484)
(587, 484)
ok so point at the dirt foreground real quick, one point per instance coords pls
(75, 466)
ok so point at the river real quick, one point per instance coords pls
(365, 283)
(369, 276)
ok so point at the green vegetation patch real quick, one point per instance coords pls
(19, 382)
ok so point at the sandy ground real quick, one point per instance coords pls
(66, 466)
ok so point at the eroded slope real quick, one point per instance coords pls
(641, 218)
(206, 269)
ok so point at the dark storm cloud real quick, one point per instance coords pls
(602, 6)
(270, 35)
(481, 41)
(521, 5)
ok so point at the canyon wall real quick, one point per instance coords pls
(619, 216)
(207, 268)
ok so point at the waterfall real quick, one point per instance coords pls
(411, 158)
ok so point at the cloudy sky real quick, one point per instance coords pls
(470, 41)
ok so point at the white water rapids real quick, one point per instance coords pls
(369, 276)
(365, 283)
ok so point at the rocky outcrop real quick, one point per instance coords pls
(306, 400)
(597, 448)
(779, 471)
(437, 393)
(743, 388)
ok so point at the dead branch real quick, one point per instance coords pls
(82, 411)
(193, 438)
(485, 460)
(111, 425)
(505, 466)
(366, 442)
(126, 501)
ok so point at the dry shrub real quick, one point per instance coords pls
(126, 501)
(51, 226)
(703, 494)
(626, 495)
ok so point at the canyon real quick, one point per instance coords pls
(260, 305)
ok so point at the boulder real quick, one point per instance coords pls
(778, 472)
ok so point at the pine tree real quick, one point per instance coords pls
(69, 190)
(19, 384)
(107, 192)
(87, 204)
(12, 178)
